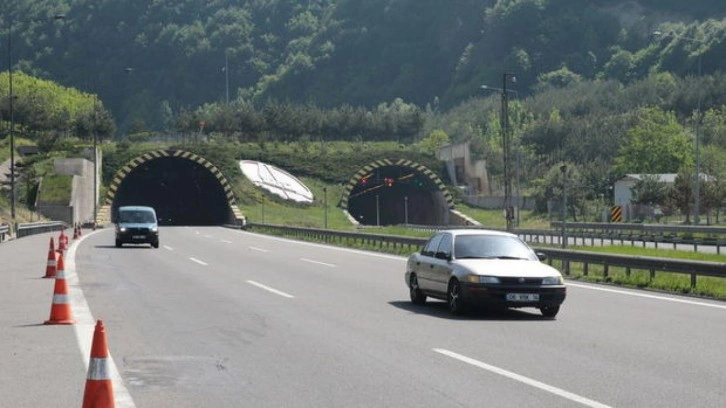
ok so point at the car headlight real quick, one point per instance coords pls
(481, 279)
(122, 229)
(553, 280)
(154, 228)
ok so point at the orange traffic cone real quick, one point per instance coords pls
(60, 310)
(62, 242)
(99, 388)
(50, 267)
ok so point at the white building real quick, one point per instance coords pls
(622, 190)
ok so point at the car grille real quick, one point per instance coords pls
(521, 281)
(138, 230)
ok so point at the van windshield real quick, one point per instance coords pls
(136, 217)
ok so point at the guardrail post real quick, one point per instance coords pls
(693, 281)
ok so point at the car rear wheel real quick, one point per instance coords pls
(550, 311)
(417, 297)
(453, 297)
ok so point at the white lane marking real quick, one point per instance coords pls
(86, 325)
(647, 296)
(525, 380)
(258, 249)
(198, 261)
(336, 248)
(226, 241)
(168, 248)
(317, 262)
(269, 289)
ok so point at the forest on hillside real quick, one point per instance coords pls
(611, 87)
(147, 58)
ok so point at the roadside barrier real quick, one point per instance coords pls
(50, 268)
(99, 388)
(60, 310)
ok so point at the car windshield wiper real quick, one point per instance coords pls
(476, 257)
(509, 257)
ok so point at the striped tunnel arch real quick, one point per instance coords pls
(367, 169)
(156, 154)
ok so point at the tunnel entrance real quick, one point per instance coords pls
(182, 190)
(394, 194)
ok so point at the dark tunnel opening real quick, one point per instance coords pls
(394, 195)
(182, 191)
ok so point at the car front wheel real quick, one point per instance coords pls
(550, 311)
(455, 302)
(417, 297)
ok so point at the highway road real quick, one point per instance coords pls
(225, 318)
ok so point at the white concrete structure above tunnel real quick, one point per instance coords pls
(276, 181)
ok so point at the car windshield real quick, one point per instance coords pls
(136, 217)
(491, 247)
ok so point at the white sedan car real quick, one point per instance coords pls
(465, 267)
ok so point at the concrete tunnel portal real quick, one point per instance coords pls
(183, 188)
(402, 192)
(186, 189)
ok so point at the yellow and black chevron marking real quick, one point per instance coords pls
(365, 170)
(137, 161)
(616, 213)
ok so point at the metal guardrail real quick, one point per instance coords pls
(4, 232)
(589, 234)
(641, 228)
(566, 257)
(32, 228)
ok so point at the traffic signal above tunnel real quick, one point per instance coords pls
(389, 193)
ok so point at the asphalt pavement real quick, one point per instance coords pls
(226, 318)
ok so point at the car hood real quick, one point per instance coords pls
(135, 225)
(507, 267)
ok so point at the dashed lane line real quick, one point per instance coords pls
(271, 290)
(525, 380)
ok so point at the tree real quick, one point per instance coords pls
(431, 143)
(680, 195)
(656, 144)
(650, 190)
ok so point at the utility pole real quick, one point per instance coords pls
(563, 169)
(508, 210)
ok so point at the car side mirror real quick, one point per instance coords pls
(541, 256)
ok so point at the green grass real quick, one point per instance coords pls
(664, 252)
(55, 190)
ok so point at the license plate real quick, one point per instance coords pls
(139, 237)
(523, 297)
